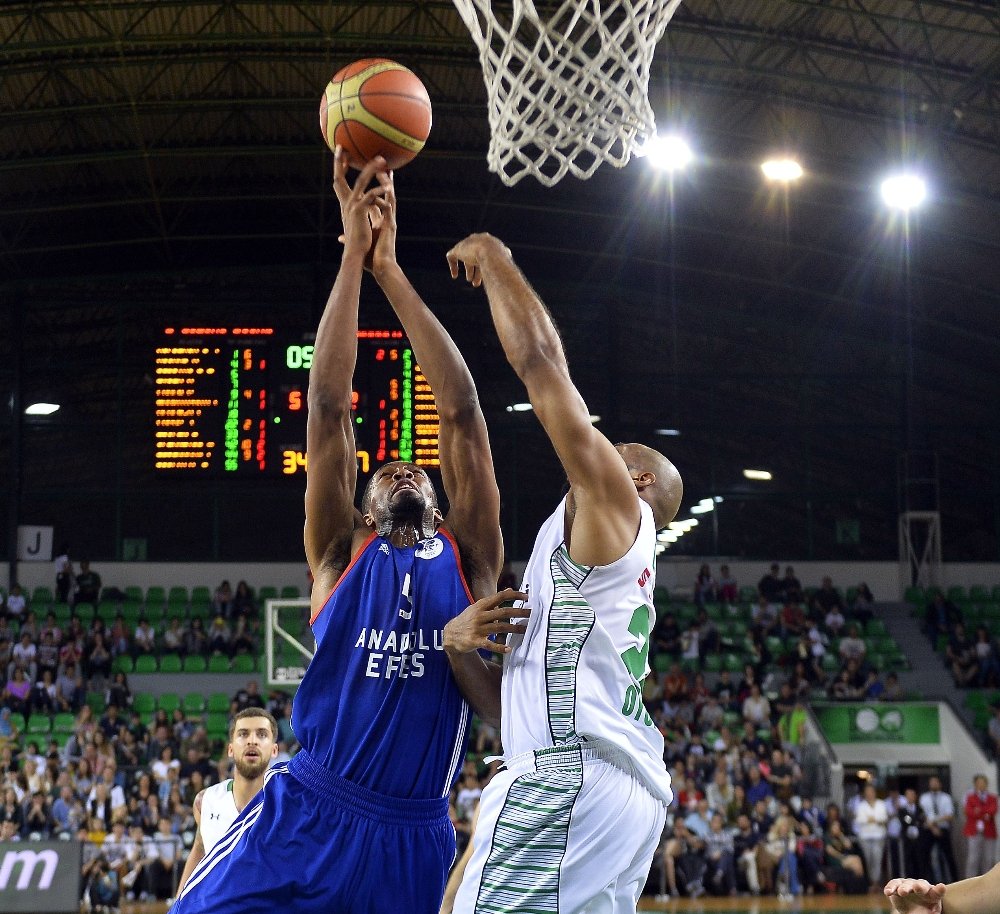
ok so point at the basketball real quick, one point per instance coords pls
(376, 107)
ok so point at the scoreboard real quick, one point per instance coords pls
(231, 401)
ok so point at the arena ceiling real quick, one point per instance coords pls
(162, 160)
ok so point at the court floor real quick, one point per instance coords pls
(826, 904)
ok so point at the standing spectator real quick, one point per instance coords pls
(705, 588)
(863, 606)
(119, 695)
(728, 588)
(769, 587)
(88, 585)
(162, 869)
(980, 827)
(987, 660)
(791, 587)
(720, 856)
(16, 605)
(870, 825)
(243, 602)
(939, 813)
(961, 655)
(222, 599)
(64, 574)
(826, 598)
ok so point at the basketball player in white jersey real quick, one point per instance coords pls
(571, 821)
(253, 743)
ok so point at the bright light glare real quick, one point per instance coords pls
(41, 409)
(784, 170)
(519, 408)
(595, 419)
(701, 509)
(764, 475)
(676, 526)
(671, 537)
(668, 153)
(904, 191)
(667, 432)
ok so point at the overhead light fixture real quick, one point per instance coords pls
(702, 509)
(718, 499)
(520, 408)
(783, 170)
(671, 537)
(763, 475)
(668, 152)
(41, 409)
(668, 432)
(904, 191)
(676, 526)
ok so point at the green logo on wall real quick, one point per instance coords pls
(903, 723)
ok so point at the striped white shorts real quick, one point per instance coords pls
(566, 830)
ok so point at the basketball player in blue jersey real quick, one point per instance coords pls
(357, 822)
(572, 819)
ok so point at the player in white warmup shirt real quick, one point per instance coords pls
(253, 742)
(572, 819)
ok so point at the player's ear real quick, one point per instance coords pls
(229, 751)
(369, 520)
(438, 517)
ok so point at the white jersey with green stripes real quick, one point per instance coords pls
(218, 812)
(576, 673)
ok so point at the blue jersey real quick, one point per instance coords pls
(378, 705)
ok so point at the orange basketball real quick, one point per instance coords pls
(376, 107)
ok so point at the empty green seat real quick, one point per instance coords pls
(217, 725)
(218, 703)
(978, 594)
(244, 663)
(38, 724)
(732, 662)
(193, 703)
(218, 663)
(133, 594)
(170, 663)
(18, 722)
(122, 664)
(876, 627)
(915, 595)
(63, 723)
(195, 663)
(713, 663)
(290, 592)
(201, 594)
(267, 593)
(169, 702)
(41, 597)
(155, 597)
(143, 703)
(957, 593)
(145, 663)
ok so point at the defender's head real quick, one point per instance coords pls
(656, 480)
(400, 493)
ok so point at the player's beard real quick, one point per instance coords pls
(252, 770)
(407, 506)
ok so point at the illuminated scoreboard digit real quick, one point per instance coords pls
(233, 401)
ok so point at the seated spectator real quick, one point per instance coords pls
(243, 641)
(97, 664)
(102, 888)
(961, 656)
(941, 615)
(173, 637)
(853, 646)
(195, 638)
(120, 637)
(792, 621)
(862, 607)
(842, 859)
(162, 869)
(893, 691)
(728, 588)
(757, 787)
(222, 599)
(16, 695)
(834, 621)
(765, 617)
(70, 692)
(675, 683)
(248, 697)
(88, 585)
(705, 588)
(684, 862)
(43, 695)
(119, 695)
(243, 603)
(144, 639)
(756, 707)
(9, 734)
(51, 626)
(826, 598)
(666, 636)
(770, 587)
(780, 850)
(16, 605)
(219, 637)
(988, 663)
(23, 655)
(791, 587)
(47, 655)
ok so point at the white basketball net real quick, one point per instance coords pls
(567, 93)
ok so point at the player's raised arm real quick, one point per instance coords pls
(607, 510)
(332, 471)
(970, 896)
(466, 461)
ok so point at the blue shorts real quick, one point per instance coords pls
(312, 842)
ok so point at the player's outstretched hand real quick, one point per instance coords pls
(477, 625)
(361, 208)
(472, 251)
(915, 896)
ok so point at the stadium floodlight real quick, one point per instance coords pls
(782, 170)
(763, 475)
(667, 432)
(41, 409)
(904, 191)
(520, 408)
(667, 152)
(702, 507)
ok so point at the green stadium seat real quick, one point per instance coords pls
(662, 662)
(995, 594)
(713, 663)
(267, 593)
(829, 663)
(979, 594)
(177, 596)
(244, 663)
(143, 702)
(96, 702)
(764, 733)
(195, 663)
(155, 598)
(201, 594)
(957, 593)
(775, 645)
(975, 699)
(748, 594)
(199, 610)
(123, 664)
(193, 703)
(218, 703)
(876, 627)
(733, 663)
(290, 592)
(41, 597)
(134, 594)
(84, 611)
(39, 725)
(217, 724)
(145, 663)
(689, 664)
(169, 702)
(62, 612)
(18, 722)
(981, 718)
(170, 663)
(732, 719)
(851, 594)
(218, 663)
(63, 723)
(878, 662)
(915, 595)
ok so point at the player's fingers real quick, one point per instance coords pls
(452, 263)
(340, 172)
(477, 277)
(510, 628)
(508, 594)
(369, 171)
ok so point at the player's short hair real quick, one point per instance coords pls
(255, 712)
